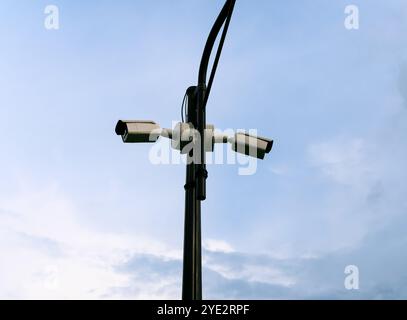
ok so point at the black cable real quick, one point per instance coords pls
(183, 108)
(220, 20)
(219, 52)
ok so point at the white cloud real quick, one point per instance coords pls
(253, 272)
(47, 253)
(217, 246)
(279, 169)
(342, 160)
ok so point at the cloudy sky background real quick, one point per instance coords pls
(84, 216)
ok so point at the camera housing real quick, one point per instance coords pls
(250, 145)
(138, 131)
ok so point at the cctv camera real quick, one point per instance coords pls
(250, 145)
(134, 131)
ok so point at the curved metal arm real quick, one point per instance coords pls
(224, 14)
(202, 92)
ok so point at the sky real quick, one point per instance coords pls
(84, 216)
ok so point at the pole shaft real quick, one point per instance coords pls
(192, 269)
(195, 187)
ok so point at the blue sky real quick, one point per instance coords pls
(84, 216)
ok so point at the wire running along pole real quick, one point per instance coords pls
(203, 91)
(219, 51)
(225, 15)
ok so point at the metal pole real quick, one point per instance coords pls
(192, 269)
(195, 187)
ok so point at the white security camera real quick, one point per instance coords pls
(250, 145)
(135, 131)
